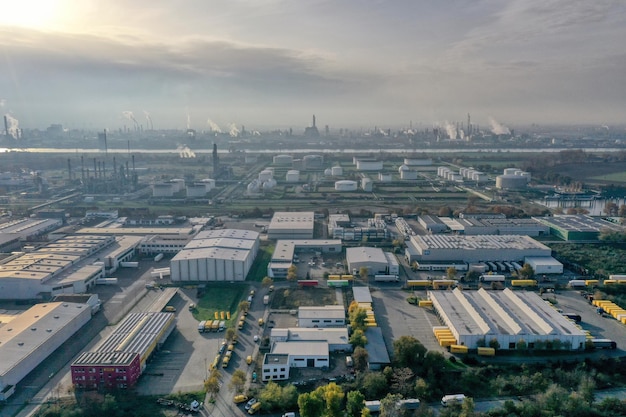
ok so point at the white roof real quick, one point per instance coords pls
(301, 348)
(327, 312)
(365, 254)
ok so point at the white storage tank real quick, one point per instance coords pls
(254, 186)
(269, 184)
(178, 184)
(209, 182)
(337, 171)
(408, 175)
(510, 171)
(367, 185)
(196, 190)
(283, 160)
(162, 189)
(345, 185)
(293, 175)
(384, 177)
(369, 165)
(403, 167)
(265, 175)
(328, 172)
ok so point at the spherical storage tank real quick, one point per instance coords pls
(336, 171)
(293, 175)
(254, 186)
(346, 185)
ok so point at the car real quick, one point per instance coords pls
(249, 360)
(250, 403)
(238, 399)
(231, 347)
(255, 407)
(271, 288)
(256, 338)
(170, 309)
(261, 321)
(222, 349)
(192, 307)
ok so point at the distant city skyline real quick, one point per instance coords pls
(274, 63)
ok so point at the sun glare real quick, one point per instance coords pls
(36, 14)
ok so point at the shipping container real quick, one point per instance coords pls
(458, 349)
(603, 344)
(452, 398)
(523, 283)
(617, 277)
(308, 282)
(486, 351)
(129, 264)
(386, 278)
(338, 283)
(332, 277)
(158, 257)
(577, 283)
(106, 281)
(347, 277)
(443, 283)
(492, 278)
(418, 283)
(425, 303)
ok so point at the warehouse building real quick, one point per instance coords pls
(28, 339)
(377, 354)
(337, 337)
(432, 224)
(578, 226)
(325, 316)
(291, 225)
(143, 231)
(216, 255)
(30, 228)
(509, 317)
(286, 251)
(119, 361)
(374, 259)
(432, 249)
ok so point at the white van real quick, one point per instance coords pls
(452, 398)
(289, 414)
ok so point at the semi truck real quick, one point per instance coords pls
(201, 326)
(386, 278)
(491, 278)
(129, 264)
(603, 344)
(158, 257)
(266, 299)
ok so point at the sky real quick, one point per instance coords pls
(94, 64)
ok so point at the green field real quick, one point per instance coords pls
(614, 177)
(220, 297)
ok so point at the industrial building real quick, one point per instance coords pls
(377, 354)
(287, 355)
(325, 316)
(340, 227)
(543, 265)
(29, 338)
(368, 164)
(432, 249)
(291, 225)
(577, 226)
(475, 318)
(367, 184)
(337, 337)
(375, 260)
(165, 244)
(69, 265)
(30, 228)
(413, 162)
(119, 361)
(286, 250)
(216, 255)
(312, 161)
(143, 231)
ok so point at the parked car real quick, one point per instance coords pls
(240, 398)
(250, 403)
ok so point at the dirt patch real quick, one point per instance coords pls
(292, 298)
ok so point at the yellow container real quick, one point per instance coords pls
(425, 303)
(486, 351)
(458, 349)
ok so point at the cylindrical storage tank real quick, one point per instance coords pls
(367, 184)
(209, 183)
(384, 177)
(328, 172)
(510, 171)
(265, 175)
(196, 190)
(293, 175)
(345, 185)
(336, 171)
(283, 160)
(403, 167)
(511, 181)
(525, 175)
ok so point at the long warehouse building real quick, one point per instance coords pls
(28, 339)
(510, 317)
(120, 360)
(216, 255)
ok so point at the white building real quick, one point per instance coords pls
(373, 259)
(337, 337)
(544, 265)
(31, 337)
(336, 171)
(510, 317)
(291, 225)
(369, 165)
(325, 316)
(384, 177)
(162, 189)
(367, 185)
(216, 255)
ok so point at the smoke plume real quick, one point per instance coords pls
(213, 126)
(13, 126)
(233, 131)
(498, 128)
(185, 152)
(450, 130)
(130, 116)
(149, 124)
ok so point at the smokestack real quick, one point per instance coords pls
(95, 170)
(133, 164)
(313, 120)
(82, 169)
(106, 147)
(469, 125)
(6, 125)
(69, 169)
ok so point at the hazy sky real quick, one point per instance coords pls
(266, 63)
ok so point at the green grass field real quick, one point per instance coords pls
(614, 177)
(220, 297)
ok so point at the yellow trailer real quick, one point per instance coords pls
(523, 282)
(425, 303)
(486, 351)
(458, 349)
(609, 282)
(348, 277)
(418, 283)
(589, 282)
(447, 342)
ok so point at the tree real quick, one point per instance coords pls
(401, 381)
(422, 389)
(521, 345)
(472, 276)
(526, 272)
(493, 343)
(230, 333)
(271, 396)
(358, 338)
(310, 404)
(212, 385)
(360, 358)
(333, 397)
(363, 272)
(355, 402)
(238, 380)
(267, 281)
(408, 351)
(390, 406)
(451, 272)
(467, 408)
(586, 389)
(357, 319)
(292, 273)
(374, 385)
(244, 305)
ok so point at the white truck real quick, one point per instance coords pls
(266, 299)
(452, 398)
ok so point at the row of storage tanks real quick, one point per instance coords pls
(464, 174)
(196, 189)
(513, 178)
